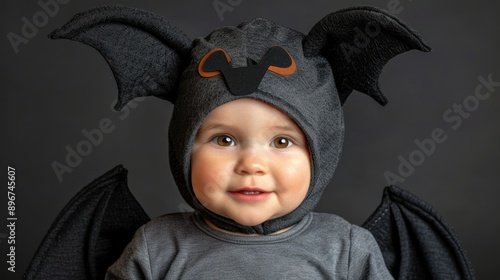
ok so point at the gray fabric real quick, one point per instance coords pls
(183, 246)
(308, 96)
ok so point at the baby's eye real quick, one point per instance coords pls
(281, 143)
(223, 140)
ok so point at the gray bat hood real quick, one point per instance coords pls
(308, 77)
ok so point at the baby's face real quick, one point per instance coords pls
(250, 162)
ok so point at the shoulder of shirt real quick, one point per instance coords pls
(332, 223)
(329, 219)
(174, 222)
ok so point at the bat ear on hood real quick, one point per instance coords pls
(145, 53)
(358, 42)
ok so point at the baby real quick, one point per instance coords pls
(255, 137)
(251, 165)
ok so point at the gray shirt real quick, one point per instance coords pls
(183, 246)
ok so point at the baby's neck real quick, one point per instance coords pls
(210, 224)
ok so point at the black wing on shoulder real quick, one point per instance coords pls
(91, 231)
(415, 240)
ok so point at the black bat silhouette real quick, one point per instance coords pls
(245, 80)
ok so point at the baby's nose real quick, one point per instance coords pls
(251, 162)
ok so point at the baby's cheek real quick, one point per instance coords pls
(296, 178)
(297, 169)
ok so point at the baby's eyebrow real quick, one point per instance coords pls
(223, 126)
(214, 125)
(285, 128)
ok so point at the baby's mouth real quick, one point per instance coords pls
(249, 191)
(250, 194)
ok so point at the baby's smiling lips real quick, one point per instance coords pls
(249, 190)
(250, 194)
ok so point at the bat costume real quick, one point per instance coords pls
(307, 77)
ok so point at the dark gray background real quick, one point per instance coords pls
(52, 90)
